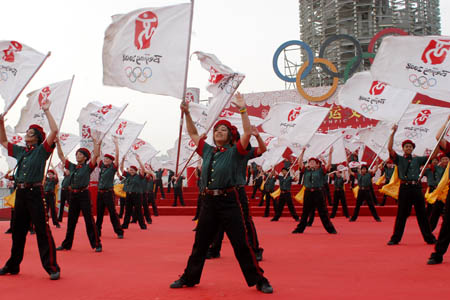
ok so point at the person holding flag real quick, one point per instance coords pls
(438, 207)
(148, 194)
(49, 193)
(410, 190)
(64, 193)
(105, 194)
(29, 203)
(159, 183)
(269, 187)
(387, 168)
(80, 198)
(285, 181)
(221, 205)
(339, 194)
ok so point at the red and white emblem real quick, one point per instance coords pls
(43, 96)
(121, 127)
(293, 114)
(436, 52)
(104, 109)
(377, 88)
(145, 26)
(422, 117)
(8, 54)
(64, 137)
(189, 97)
(226, 113)
(16, 139)
(214, 75)
(268, 140)
(191, 144)
(85, 131)
(138, 144)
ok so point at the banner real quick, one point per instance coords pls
(187, 146)
(32, 113)
(147, 50)
(375, 99)
(18, 64)
(145, 151)
(417, 63)
(68, 142)
(15, 139)
(192, 95)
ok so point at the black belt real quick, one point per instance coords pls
(338, 190)
(105, 191)
(284, 192)
(132, 193)
(65, 189)
(28, 185)
(313, 189)
(409, 182)
(76, 191)
(218, 192)
(364, 188)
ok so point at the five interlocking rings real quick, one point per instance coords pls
(138, 74)
(369, 108)
(413, 135)
(422, 81)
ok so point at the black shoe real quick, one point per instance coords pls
(265, 216)
(378, 220)
(432, 241)
(435, 259)
(174, 205)
(32, 232)
(391, 243)
(297, 219)
(99, 249)
(309, 224)
(156, 214)
(124, 227)
(60, 248)
(149, 221)
(352, 220)
(120, 236)
(296, 230)
(6, 270)
(259, 254)
(264, 287)
(333, 231)
(57, 226)
(9, 231)
(54, 276)
(180, 283)
(273, 220)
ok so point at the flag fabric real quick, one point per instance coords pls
(235, 119)
(355, 191)
(18, 63)
(392, 188)
(187, 146)
(32, 113)
(293, 121)
(199, 115)
(300, 195)
(222, 84)
(147, 50)
(319, 143)
(68, 142)
(417, 63)
(276, 193)
(15, 139)
(10, 200)
(142, 148)
(375, 99)
(192, 95)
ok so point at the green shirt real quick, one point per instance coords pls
(219, 164)
(80, 175)
(242, 166)
(66, 181)
(149, 184)
(388, 173)
(178, 184)
(338, 182)
(50, 184)
(313, 179)
(269, 185)
(30, 161)
(134, 183)
(159, 174)
(106, 176)
(285, 183)
(365, 180)
(409, 167)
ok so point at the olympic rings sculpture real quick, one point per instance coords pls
(138, 74)
(327, 66)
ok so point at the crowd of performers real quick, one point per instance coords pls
(223, 205)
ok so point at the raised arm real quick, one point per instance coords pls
(190, 126)
(245, 137)
(261, 145)
(121, 165)
(300, 159)
(330, 159)
(141, 165)
(443, 142)
(391, 141)
(96, 151)
(51, 122)
(116, 157)
(60, 151)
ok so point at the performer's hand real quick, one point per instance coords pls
(239, 100)
(184, 106)
(255, 131)
(394, 128)
(46, 105)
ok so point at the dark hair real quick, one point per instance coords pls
(38, 135)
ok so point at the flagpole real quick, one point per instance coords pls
(185, 86)
(20, 92)
(434, 149)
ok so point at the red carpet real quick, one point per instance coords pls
(355, 264)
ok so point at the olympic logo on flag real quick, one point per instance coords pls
(16, 139)
(85, 131)
(293, 114)
(413, 135)
(377, 88)
(422, 117)
(145, 26)
(214, 75)
(436, 52)
(422, 81)
(226, 113)
(268, 140)
(43, 96)
(138, 144)
(121, 127)
(8, 54)
(191, 143)
(3, 76)
(138, 74)
(369, 108)
(64, 137)
(327, 66)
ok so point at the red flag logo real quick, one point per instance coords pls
(436, 52)
(145, 26)
(121, 127)
(226, 113)
(189, 97)
(85, 131)
(138, 144)
(64, 137)
(214, 75)
(422, 117)
(191, 144)
(293, 114)
(377, 88)
(43, 96)
(104, 109)
(8, 54)
(268, 140)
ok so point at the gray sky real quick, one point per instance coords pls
(242, 34)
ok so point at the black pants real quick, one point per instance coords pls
(152, 202)
(339, 196)
(408, 196)
(436, 212)
(145, 208)
(268, 199)
(169, 184)
(81, 202)
(178, 193)
(122, 202)
(444, 234)
(62, 203)
(364, 195)
(105, 200)
(158, 184)
(134, 201)
(200, 198)
(29, 207)
(327, 194)
(216, 244)
(256, 187)
(50, 206)
(249, 224)
(314, 199)
(223, 210)
(285, 197)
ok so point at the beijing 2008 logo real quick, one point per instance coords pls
(8, 54)
(436, 52)
(145, 26)
(121, 127)
(422, 117)
(377, 88)
(138, 144)
(43, 96)
(85, 131)
(293, 114)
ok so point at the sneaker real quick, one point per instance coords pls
(9, 231)
(120, 236)
(6, 270)
(391, 243)
(296, 230)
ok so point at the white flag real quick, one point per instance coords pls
(142, 148)
(199, 115)
(320, 143)
(192, 95)
(15, 139)
(68, 142)
(32, 113)
(375, 99)
(297, 123)
(99, 116)
(187, 146)
(236, 119)
(222, 83)
(18, 63)
(147, 50)
(126, 132)
(418, 63)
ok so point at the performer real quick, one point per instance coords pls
(122, 200)
(49, 194)
(269, 187)
(444, 234)
(432, 182)
(285, 182)
(198, 173)
(353, 157)
(221, 205)
(149, 175)
(64, 193)
(170, 182)
(364, 181)
(410, 190)
(10, 185)
(105, 195)
(339, 194)
(178, 189)
(159, 184)
(134, 193)
(438, 207)
(29, 205)
(387, 168)
(257, 181)
(80, 198)
(314, 197)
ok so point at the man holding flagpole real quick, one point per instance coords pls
(29, 205)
